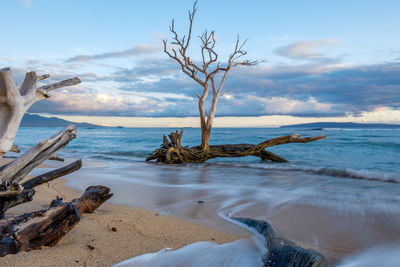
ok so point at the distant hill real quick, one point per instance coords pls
(344, 125)
(31, 120)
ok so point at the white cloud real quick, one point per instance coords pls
(306, 50)
(285, 105)
(381, 115)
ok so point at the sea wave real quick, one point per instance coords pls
(140, 154)
(341, 173)
(377, 256)
(360, 129)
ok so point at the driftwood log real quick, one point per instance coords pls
(171, 151)
(15, 149)
(282, 252)
(46, 227)
(12, 192)
(14, 102)
(28, 191)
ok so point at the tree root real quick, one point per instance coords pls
(172, 152)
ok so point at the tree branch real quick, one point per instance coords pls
(209, 57)
(64, 83)
(51, 175)
(14, 171)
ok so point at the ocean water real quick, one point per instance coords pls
(340, 195)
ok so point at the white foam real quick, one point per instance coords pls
(379, 256)
(242, 252)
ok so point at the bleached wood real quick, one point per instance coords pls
(18, 168)
(14, 171)
(65, 83)
(14, 102)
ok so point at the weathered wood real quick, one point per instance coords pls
(14, 102)
(14, 171)
(15, 149)
(51, 175)
(282, 252)
(65, 83)
(7, 202)
(171, 151)
(11, 192)
(56, 158)
(93, 198)
(47, 227)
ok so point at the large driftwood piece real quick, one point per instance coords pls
(46, 227)
(171, 151)
(282, 252)
(12, 191)
(13, 172)
(28, 187)
(14, 102)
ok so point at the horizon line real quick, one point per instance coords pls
(267, 121)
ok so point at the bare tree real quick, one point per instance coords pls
(210, 73)
(205, 73)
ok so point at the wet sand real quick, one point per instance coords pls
(337, 217)
(138, 231)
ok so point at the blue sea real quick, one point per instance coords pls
(340, 195)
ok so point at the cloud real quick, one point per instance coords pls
(157, 87)
(285, 105)
(137, 50)
(353, 89)
(308, 50)
(84, 99)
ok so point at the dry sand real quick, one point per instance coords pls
(138, 231)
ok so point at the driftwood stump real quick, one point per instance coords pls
(171, 151)
(47, 227)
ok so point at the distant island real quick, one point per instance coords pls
(320, 125)
(32, 120)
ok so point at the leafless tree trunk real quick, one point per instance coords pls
(205, 73)
(211, 74)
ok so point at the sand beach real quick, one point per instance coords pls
(111, 234)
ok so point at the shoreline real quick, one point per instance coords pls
(138, 231)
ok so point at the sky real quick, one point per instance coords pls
(321, 61)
